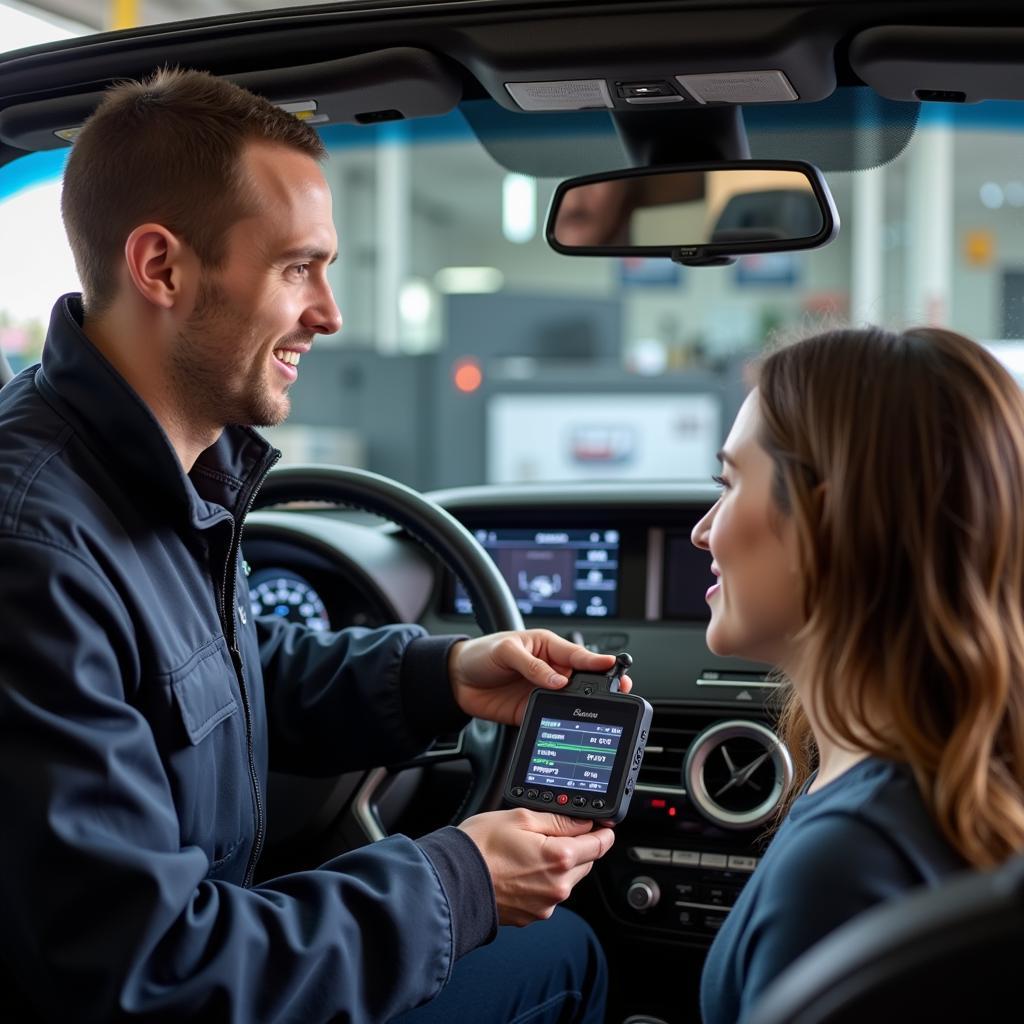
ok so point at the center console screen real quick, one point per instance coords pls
(554, 572)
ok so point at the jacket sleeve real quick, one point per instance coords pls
(107, 917)
(354, 698)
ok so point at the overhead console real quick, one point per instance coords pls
(658, 61)
(949, 64)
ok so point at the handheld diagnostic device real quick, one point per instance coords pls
(580, 748)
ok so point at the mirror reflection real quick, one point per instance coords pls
(689, 208)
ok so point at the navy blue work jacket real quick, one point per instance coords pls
(140, 710)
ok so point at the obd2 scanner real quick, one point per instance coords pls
(580, 748)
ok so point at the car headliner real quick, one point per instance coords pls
(474, 47)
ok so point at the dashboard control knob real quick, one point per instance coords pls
(643, 893)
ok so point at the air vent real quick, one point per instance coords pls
(673, 730)
(737, 772)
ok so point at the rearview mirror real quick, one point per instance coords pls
(696, 214)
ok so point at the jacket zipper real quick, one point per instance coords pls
(227, 589)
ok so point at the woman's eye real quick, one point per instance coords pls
(720, 482)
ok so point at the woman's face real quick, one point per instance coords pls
(756, 603)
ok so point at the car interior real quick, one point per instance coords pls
(535, 448)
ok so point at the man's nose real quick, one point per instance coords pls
(323, 316)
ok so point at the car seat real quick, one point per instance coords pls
(947, 953)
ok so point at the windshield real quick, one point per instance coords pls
(472, 353)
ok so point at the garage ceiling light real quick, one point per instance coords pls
(518, 208)
(469, 280)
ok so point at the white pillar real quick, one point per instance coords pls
(339, 273)
(393, 235)
(929, 240)
(867, 283)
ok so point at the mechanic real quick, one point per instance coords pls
(868, 542)
(141, 707)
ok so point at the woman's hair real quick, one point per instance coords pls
(900, 458)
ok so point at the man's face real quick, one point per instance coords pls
(594, 215)
(237, 354)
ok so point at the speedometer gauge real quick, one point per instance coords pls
(286, 594)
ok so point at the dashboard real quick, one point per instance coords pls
(611, 567)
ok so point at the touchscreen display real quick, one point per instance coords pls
(554, 572)
(687, 578)
(574, 755)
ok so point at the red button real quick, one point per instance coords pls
(562, 798)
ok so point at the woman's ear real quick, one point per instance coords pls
(819, 496)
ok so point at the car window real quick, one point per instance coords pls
(473, 353)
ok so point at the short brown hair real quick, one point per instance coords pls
(900, 458)
(166, 150)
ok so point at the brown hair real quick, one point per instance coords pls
(166, 150)
(901, 459)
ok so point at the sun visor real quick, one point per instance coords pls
(387, 85)
(941, 63)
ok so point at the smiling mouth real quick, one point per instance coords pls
(287, 356)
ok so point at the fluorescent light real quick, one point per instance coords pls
(415, 302)
(469, 280)
(518, 208)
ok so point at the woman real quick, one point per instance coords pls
(869, 542)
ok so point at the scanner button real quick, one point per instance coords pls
(532, 794)
(547, 796)
(579, 801)
(518, 791)
(562, 799)
(599, 804)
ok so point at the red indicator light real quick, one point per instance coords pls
(671, 812)
(657, 804)
(562, 798)
(468, 376)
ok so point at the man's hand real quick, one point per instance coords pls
(492, 676)
(535, 859)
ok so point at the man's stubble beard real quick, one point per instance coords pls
(203, 363)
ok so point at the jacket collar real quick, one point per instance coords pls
(125, 435)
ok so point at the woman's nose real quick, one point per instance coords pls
(699, 534)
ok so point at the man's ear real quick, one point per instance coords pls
(156, 260)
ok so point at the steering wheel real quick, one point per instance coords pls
(485, 745)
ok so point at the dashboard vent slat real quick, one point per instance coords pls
(673, 729)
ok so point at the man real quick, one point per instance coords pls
(140, 709)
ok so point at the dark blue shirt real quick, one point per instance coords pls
(862, 839)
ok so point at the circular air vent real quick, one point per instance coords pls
(736, 773)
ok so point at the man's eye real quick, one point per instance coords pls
(301, 269)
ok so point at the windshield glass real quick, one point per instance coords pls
(472, 353)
